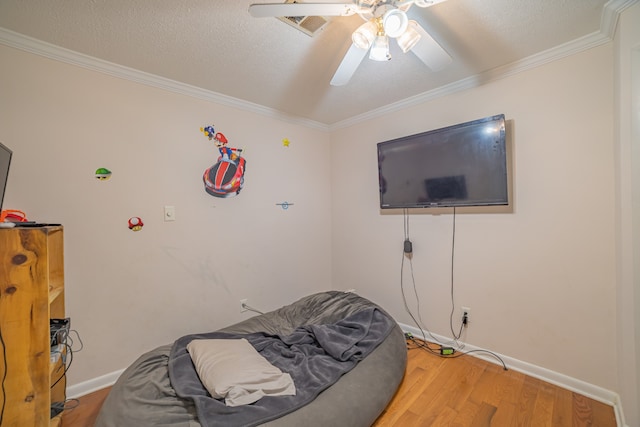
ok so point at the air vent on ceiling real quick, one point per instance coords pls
(309, 25)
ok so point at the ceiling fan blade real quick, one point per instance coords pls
(348, 66)
(426, 3)
(262, 10)
(430, 52)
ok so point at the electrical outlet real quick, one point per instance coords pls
(466, 314)
(243, 305)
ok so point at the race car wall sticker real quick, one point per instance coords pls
(225, 178)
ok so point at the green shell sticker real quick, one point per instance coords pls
(103, 174)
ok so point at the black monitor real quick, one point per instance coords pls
(460, 165)
(5, 162)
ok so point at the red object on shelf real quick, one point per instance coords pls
(13, 215)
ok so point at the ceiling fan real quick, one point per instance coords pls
(384, 19)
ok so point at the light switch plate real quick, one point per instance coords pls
(169, 213)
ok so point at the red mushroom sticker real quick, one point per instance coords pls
(135, 223)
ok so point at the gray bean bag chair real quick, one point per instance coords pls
(373, 364)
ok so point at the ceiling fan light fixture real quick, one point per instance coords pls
(423, 3)
(365, 34)
(394, 22)
(380, 49)
(409, 38)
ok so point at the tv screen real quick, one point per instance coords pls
(460, 165)
(5, 160)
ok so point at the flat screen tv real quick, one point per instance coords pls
(460, 165)
(5, 161)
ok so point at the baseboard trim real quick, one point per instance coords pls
(592, 391)
(95, 384)
(573, 384)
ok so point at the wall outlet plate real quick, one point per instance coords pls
(466, 310)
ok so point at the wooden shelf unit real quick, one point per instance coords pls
(31, 293)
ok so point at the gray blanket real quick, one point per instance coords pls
(315, 356)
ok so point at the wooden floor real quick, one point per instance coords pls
(470, 392)
(84, 412)
(461, 392)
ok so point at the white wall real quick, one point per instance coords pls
(628, 202)
(543, 281)
(127, 292)
(540, 281)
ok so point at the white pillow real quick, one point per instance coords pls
(233, 370)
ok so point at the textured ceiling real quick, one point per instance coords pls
(217, 46)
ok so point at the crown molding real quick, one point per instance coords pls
(51, 51)
(608, 23)
(610, 14)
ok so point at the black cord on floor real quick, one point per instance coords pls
(67, 341)
(419, 324)
(415, 291)
(425, 346)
